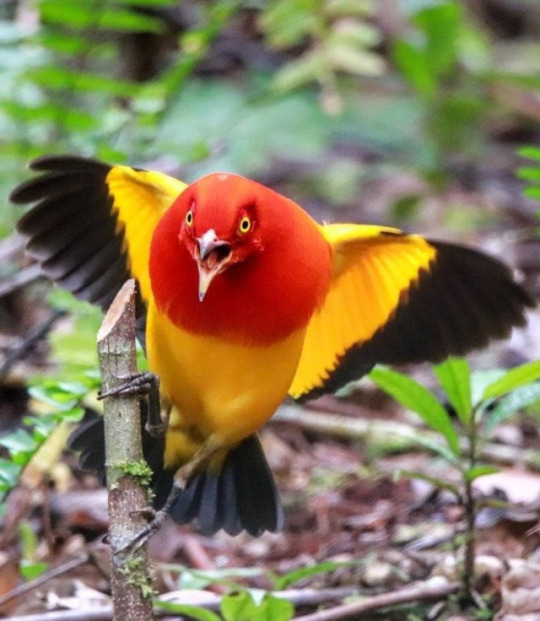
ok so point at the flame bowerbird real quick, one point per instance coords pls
(245, 299)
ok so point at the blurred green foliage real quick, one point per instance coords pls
(415, 99)
(531, 174)
(62, 401)
(336, 36)
(445, 58)
(480, 402)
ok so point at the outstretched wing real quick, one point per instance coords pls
(92, 223)
(399, 298)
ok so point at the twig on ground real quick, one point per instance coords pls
(210, 601)
(20, 279)
(11, 246)
(297, 597)
(349, 428)
(14, 354)
(100, 614)
(408, 595)
(49, 575)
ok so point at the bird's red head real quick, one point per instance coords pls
(233, 257)
(221, 225)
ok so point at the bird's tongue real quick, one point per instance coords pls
(212, 259)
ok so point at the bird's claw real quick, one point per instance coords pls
(156, 430)
(144, 534)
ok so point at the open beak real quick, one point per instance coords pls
(212, 256)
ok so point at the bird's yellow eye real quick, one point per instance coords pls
(245, 225)
(189, 218)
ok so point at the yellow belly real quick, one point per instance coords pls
(217, 388)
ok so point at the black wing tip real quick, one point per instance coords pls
(430, 324)
(65, 161)
(51, 167)
(19, 195)
(497, 275)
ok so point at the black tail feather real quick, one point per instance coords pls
(242, 496)
(89, 440)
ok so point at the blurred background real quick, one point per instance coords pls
(421, 114)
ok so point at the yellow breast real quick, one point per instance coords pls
(217, 388)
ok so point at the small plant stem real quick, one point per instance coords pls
(470, 515)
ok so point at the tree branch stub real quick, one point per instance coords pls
(128, 498)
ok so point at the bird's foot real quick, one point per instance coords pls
(143, 385)
(136, 384)
(157, 518)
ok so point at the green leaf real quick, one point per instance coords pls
(288, 579)
(20, 441)
(479, 471)
(59, 78)
(69, 118)
(414, 396)
(148, 3)
(9, 473)
(413, 64)
(42, 426)
(516, 377)
(441, 25)
(73, 45)
(349, 8)
(276, 609)
(54, 396)
(84, 15)
(199, 579)
(308, 68)
(532, 192)
(455, 377)
(288, 22)
(74, 415)
(480, 380)
(241, 607)
(191, 612)
(347, 57)
(32, 569)
(529, 173)
(532, 153)
(28, 539)
(510, 404)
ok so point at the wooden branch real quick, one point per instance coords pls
(408, 595)
(400, 435)
(128, 498)
(104, 613)
(20, 279)
(19, 351)
(55, 572)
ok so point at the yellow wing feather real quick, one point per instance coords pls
(140, 198)
(373, 267)
(92, 223)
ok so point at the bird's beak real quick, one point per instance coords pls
(212, 256)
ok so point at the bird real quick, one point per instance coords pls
(244, 300)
